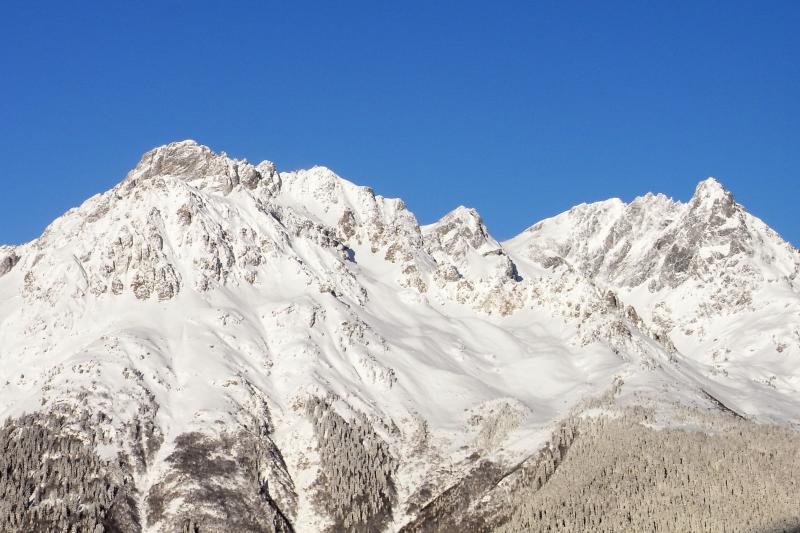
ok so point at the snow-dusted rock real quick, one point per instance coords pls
(303, 345)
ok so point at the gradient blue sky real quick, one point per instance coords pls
(520, 109)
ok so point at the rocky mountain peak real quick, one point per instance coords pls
(710, 193)
(199, 165)
(714, 217)
(465, 213)
(460, 229)
(710, 188)
(466, 253)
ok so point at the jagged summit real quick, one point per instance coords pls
(185, 158)
(465, 213)
(710, 188)
(463, 224)
(197, 163)
(710, 195)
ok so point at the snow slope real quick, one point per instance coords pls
(207, 295)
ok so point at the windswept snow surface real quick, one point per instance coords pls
(204, 291)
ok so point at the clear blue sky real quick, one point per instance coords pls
(518, 109)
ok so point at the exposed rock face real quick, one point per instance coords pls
(195, 163)
(8, 259)
(655, 241)
(472, 267)
(459, 232)
(213, 345)
(691, 270)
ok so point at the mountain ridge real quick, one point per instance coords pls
(206, 307)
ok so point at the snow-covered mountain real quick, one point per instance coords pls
(213, 345)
